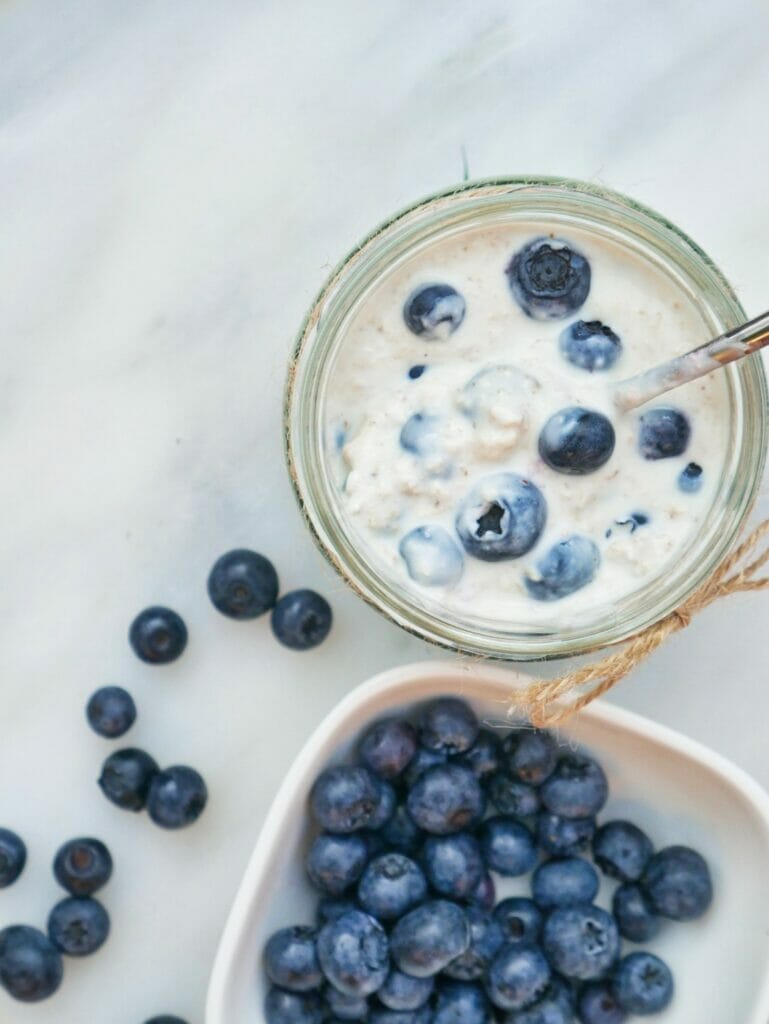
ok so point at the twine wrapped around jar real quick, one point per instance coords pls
(550, 702)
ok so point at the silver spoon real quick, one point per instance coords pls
(735, 344)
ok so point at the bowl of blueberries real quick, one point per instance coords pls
(430, 860)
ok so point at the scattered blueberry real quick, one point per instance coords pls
(344, 1007)
(590, 345)
(568, 566)
(13, 857)
(422, 760)
(434, 311)
(531, 755)
(344, 798)
(577, 788)
(486, 939)
(677, 882)
(581, 942)
(453, 865)
(281, 1007)
(446, 799)
(643, 984)
(432, 557)
(502, 517)
(390, 886)
(416, 371)
(461, 1002)
(549, 279)
(518, 977)
(158, 635)
(512, 797)
(621, 850)
(597, 1004)
(126, 776)
(576, 441)
(111, 712)
(177, 797)
(400, 834)
(483, 757)
(563, 837)
(428, 938)
(388, 746)
(78, 926)
(402, 992)
(82, 866)
(448, 725)
(30, 965)
(556, 1006)
(663, 433)
(243, 584)
(301, 620)
(520, 920)
(508, 846)
(291, 959)
(564, 881)
(690, 478)
(353, 953)
(336, 862)
(633, 913)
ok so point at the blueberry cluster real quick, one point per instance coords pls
(408, 928)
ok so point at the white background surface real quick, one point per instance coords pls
(176, 180)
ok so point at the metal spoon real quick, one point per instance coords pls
(735, 344)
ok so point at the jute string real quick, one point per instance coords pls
(551, 702)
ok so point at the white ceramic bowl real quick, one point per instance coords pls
(679, 791)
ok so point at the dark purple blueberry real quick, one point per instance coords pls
(177, 797)
(678, 884)
(564, 881)
(576, 441)
(590, 345)
(388, 746)
(353, 953)
(336, 862)
(663, 433)
(564, 837)
(111, 712)
(291, 959)
(486, 939)
(301, 620)
(597, 1004)
(643, 984)
(483, 757)
(434, 311)
(158, 635)
(511, 797)
(518, 977)
(82, 866)
(507, 846)
(344, 798)
(281, 1007)
(502, 517)
(390, 886)
(581, 942)
(549, 278)
(633, 913)
(30, 965)
(243, 584)
(621, 850)
(446, 799)
(13, 857)
(520, 920)
(530, 755)
(78, 926)
(577, 788)
(448, 725)
(453, 865)
(429, 937)
(126, 776)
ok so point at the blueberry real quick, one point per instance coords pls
(400, 834)
(126, 776)
(508, 846)
(301, 620)
(485, 895)
(335, 863)
(388, 746)
(690, 478)
(621, 850)
(461, 1002)
(30, 965)
(434, 311)
(402, 992)
(78, 925)
(502, 517)
(597, 1004)
(330, 908)
(426, 940)
(633, 913)
(581, 942)
(518, 977)
(643, 984)
(564, 881)
(158, 635)
(486, 939)
(483, 757)
(576, 441)
(82, 866)
(563, 837)
(422, 760)
(420, 434)
(568, 566)
(453, 865)
(344, 798)
(291, 959)
(549, 278)
(531, 755)
(590, 345)
(520, 920)
(13, 857)
(512, 797)
(446, 799)
(177, 797)
(111, 711)
(243, 584)
(432, 557)
(678, 884)
(448, 725)
(577, 788)
(663, 433)
(416, 372)
(282, 1007)
(344, 1007)
(353, 953)
(390, 886)
(382, 1015)
(556, 1006)
(385, 807)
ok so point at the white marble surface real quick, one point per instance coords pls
(176, 179)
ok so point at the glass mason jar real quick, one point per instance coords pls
(557, 205)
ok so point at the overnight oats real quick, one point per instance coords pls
(471, 454)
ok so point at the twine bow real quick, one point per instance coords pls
(551, 702)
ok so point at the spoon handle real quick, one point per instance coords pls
(735, 344)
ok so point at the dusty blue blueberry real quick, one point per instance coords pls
(331, 907)
(126, 776)
(158, 635)
(13, 857)
(483, 757)
(403, 992)
(520, 920)
(111, 711)
(621, 850)
(678, 884)
(643, 984)
(485, 895)
(690, 478)
(353, 953)
(30, 965)
(518, 977)
(556, 1006)
(549, 278)
(434, 311)
(385, 807)
(78, 925)
(510, 796)
(301, 620)
(379, 1014)
(448, 725)
(446, 799)
(590, 345)
(421, 761)
(577, 788)
(568, 566)
(461, 1002)
(281, 1007)
(428, 938)
(502, 517)
(486, 939)
(400, 834)
(507, 846)
(335, 863)
(343, 1007)
(177, 797)
(530, 755)
(390, 886)
(564, 881)
(82, 866)
(243, 584)
(663, 433)
(633, 913)
(453, 865)
(563, 837)
(388, 746)
(344, 798)
(291, 959)
(581, 942)
(576, 441)
(432, 556)
(597, 1004)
